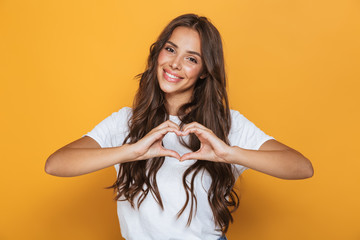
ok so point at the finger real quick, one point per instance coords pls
(168, 123)
(191, 155)
(207, 137)
(170, 153)
(157, 135)
(162, 132)
(164, 126)
(192, 125)
(202, 134)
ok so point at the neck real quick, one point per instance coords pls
(174, 102)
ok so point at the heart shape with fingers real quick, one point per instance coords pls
(211, 147)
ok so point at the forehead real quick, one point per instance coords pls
(186, 38)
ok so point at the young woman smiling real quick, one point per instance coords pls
(179, 142)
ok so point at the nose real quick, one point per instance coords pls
(175, 63)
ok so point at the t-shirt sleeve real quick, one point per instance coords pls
(245, 134)
(111, 131)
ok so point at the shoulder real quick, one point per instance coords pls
(234, 113)
(110, 131)
(245, 133)
(121, 117)
(118, 120)
(124, 112)
(238, 121)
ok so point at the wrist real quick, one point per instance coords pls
(129, 152)
(233, 154)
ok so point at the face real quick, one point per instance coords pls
(180, 64)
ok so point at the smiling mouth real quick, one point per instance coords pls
(171, 78)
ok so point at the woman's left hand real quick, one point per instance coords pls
(212, 148)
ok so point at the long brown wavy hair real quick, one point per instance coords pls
(208, 106)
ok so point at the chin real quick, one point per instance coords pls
(167, 89)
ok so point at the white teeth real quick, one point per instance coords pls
(172, 76)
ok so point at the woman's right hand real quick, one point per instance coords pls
(85, 155)
(150, 145)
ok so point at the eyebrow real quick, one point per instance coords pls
(192, 52)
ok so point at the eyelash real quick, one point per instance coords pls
(171, 50)
(192, 59)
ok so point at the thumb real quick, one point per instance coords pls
(169, 153)
(190, 155)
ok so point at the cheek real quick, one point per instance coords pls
(161, 58)
(193, 71)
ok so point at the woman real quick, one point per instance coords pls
(180, 142)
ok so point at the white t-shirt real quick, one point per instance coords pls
(150, 221)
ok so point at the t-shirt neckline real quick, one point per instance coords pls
(174, 118)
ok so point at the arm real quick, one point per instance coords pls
(85, 155)
(273, 158)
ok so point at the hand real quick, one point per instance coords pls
(212, 148)
(150, 146)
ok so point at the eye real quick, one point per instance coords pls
(191, 59)
(169, 49)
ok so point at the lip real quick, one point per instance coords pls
(169, 79)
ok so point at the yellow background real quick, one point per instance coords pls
(293, 70)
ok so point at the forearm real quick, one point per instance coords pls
(69, 162)
(286, 164)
